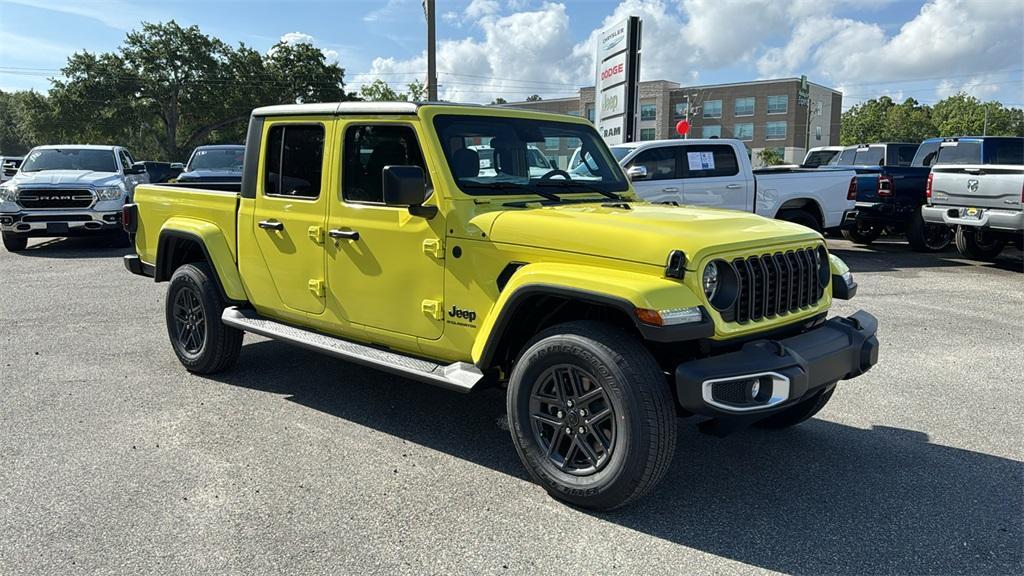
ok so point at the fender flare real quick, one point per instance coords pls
(215, 250)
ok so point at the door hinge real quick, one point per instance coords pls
(316, 234)
(432, 247)
(433, 309)
(317, 288)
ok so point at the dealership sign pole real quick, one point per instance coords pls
(618, 81)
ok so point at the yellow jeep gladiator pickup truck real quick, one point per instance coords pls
(377, 233)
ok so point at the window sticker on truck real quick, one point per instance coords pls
(701, 160)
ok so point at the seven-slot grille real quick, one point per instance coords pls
(33, 198)
(775, 284)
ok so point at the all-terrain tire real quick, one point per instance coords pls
(628, 423)
(801, 217)
(797, 413)
(927, 237)
(977, 244)
(203, 344)
(14, 243)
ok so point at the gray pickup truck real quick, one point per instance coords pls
(67, 191)
(982, 202)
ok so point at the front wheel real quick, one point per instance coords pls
(978, 244)
(927, 237)
(591, 415)
(14, 243)
(203, 344)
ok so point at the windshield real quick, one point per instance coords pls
(510, 156)
(70, 159)
(621, 152)
(819, 157)
(229, 159)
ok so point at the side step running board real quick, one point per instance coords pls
(458, 376)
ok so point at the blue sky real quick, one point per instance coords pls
(488, 48)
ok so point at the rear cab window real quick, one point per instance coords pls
(294, 161)
(869, 156)
(959, 152)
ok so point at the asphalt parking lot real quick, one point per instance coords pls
(114, 460)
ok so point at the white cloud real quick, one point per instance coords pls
(947, 37)
(330, 54)
(482, 8)
(389, 11)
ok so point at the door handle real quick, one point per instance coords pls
(346, 234)
(733, 186)
(271, 225)
(670, 189)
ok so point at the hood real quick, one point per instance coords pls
(86, 177)
(642, 232)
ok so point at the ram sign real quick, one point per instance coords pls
(618, 72)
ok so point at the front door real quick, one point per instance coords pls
(385, 266)
(662, 182)
(291, 210)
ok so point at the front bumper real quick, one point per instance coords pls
(995, 218)
(50, 223)
(786, 370)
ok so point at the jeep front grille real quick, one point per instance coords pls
(36, 198)
(775, 284)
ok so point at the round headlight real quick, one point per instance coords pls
(710, 280)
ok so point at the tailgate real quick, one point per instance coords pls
(978, 186)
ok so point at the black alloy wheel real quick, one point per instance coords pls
(189, 321)
(573, 420)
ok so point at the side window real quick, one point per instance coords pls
(710, 161)
(1005, 151)
(904, 156)
(294, 161)
(659, 162)
(368, 149)
(926, 153)
(126, 160)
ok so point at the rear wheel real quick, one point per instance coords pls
(927, 237)
(797, 413)
(978, 244)
(862, 233)
(14, 243)
(591, 415)
(203, 344)
(801, 217)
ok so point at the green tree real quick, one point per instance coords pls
(499, 100)
(963, 115)
(169, 88)
(381, 91)
(882, 120)
(417, 91)
(769, 157)
(533, 98)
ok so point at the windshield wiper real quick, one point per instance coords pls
(584, 185)
(510, 186)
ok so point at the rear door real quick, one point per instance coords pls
(291, 209)
(712, 177)
(663, 182)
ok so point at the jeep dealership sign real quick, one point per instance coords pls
(617, 82)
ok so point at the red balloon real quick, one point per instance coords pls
(683, 127)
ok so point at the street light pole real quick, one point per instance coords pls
(429, 11)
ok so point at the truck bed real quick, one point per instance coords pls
(215, 203)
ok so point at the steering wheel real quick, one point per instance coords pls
(556, 172)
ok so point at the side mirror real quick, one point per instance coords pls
(637, 172)
(177, 166)
(406, 186)
(137, 168)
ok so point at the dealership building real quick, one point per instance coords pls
(763, 114)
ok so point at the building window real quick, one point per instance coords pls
(775, 131)
(680, 110)
(743, 132)
(818, 107)
(745, 106)
(552, 143)
(817, 132)
(778, 104)
(711, 131)
(590, 113)
(648, 112)
(647, 134)
(713, 109)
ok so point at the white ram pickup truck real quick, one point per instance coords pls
(717, 173)
(67, 191)
(984, 203)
